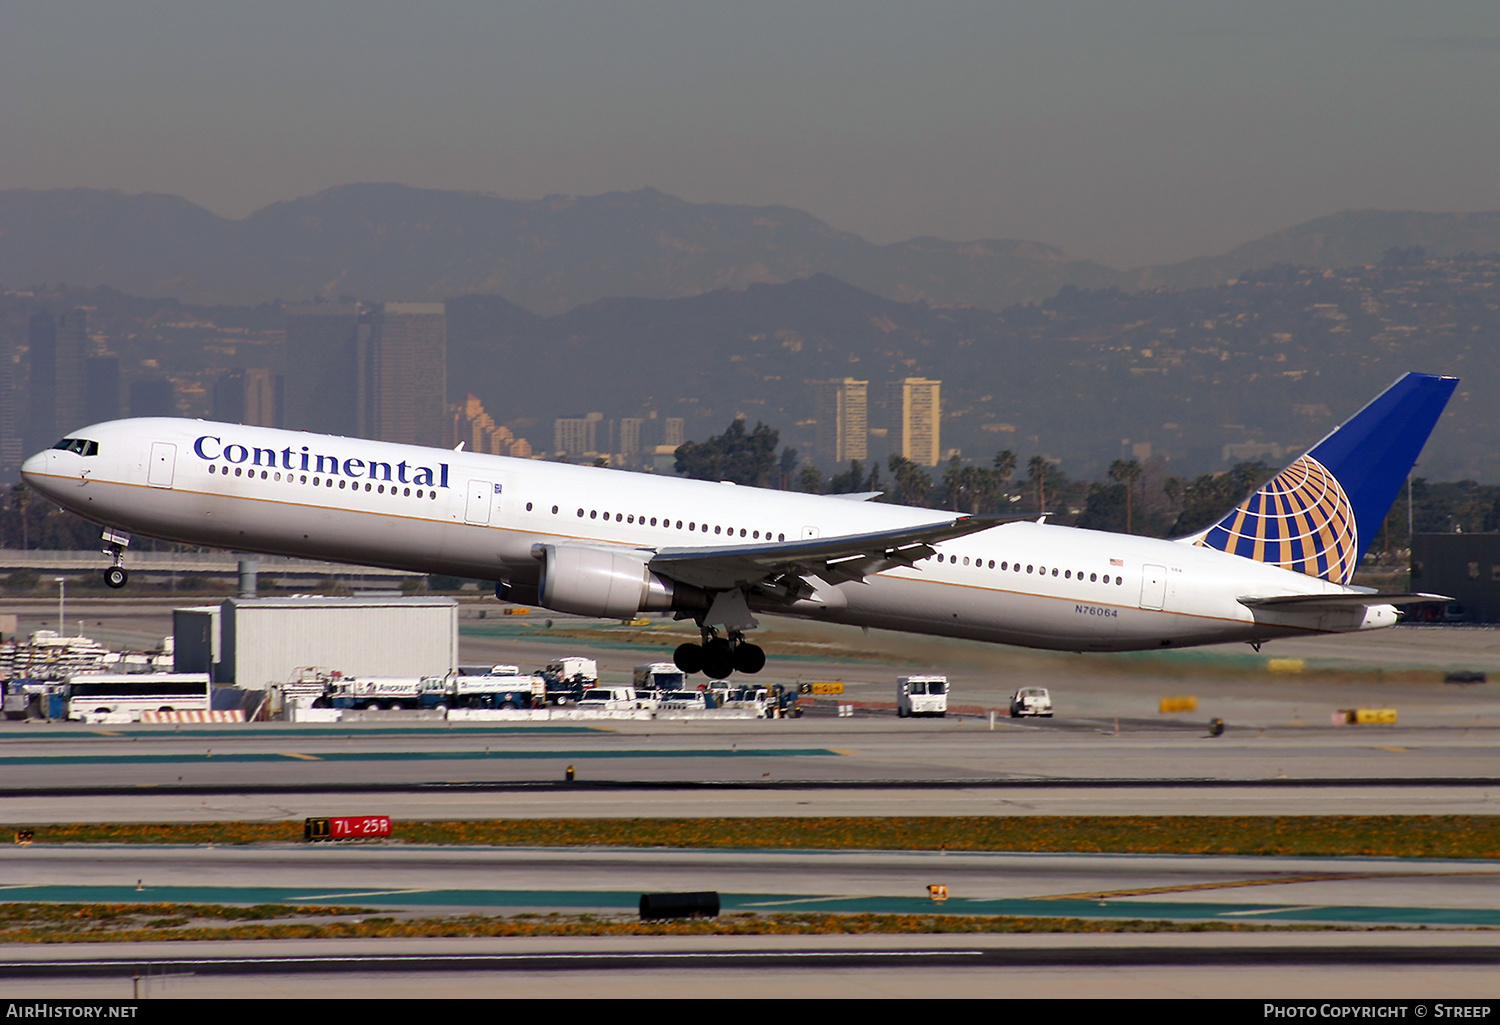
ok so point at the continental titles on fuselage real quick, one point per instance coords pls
(312, 462)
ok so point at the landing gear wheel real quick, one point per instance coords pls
(688, 658)
(749, 658)
(116, 576)
(718, 660)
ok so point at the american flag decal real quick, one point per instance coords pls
(1117, 562)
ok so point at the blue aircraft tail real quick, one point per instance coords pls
(1319, 515)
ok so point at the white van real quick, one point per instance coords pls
(921, 695)
(1031, 701)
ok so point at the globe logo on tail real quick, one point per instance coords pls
(1301, 520)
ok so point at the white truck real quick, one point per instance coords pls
(568, 677)
(489, 690)
(661, 677)
(615, 699)
(377, 692)
(921, 695)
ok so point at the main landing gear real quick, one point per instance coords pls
(117, 576)
(719, 657)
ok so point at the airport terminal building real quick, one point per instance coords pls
(1466, 567)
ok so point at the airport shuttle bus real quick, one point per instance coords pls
(95, 695)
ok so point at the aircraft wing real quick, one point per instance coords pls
(831, 559)
(1315, 602)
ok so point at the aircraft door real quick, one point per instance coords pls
(483, 495)
(1153, 587)
(163, 463)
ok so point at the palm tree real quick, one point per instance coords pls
(1126, 472)
(1037, 471)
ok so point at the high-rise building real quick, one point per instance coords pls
(248, 396)
(153, 396)
(477, 429)
(101, 388)
(72, 351)
(57, 347)
(577, 435)
(326, 347)
(842, 410)
(408, 375)
(12, 434)
(915, 412)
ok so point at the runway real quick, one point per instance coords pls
(813, 766)
(1452, 955)
(1459, 968)
(1362, 891)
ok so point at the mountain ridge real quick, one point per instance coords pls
(391, 242)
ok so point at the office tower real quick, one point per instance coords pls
(41, 340)
(153, 396)
(248, 396)
(407, 371)
(326, 347)
(101, 388)
(842, 411)
(72, 351)
(915, 412)
(577, 435)
(630, 435)
(12, 440)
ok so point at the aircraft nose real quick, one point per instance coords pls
(35, 468)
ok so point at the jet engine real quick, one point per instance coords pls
(608, 583)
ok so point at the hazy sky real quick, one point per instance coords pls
(1126, 131)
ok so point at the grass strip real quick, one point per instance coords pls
(1395, 836)
(114, 923)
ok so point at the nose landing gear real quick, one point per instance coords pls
(720, 657)
(117, 575)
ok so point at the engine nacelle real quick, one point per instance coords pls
(608, 583)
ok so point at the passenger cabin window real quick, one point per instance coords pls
(78, 445)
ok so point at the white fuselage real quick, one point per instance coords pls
(472, 515)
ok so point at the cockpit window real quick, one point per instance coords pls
(79, 445)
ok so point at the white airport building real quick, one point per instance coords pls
(256, 642)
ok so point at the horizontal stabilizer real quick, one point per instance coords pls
(1322, 602)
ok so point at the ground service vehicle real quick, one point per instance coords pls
(921, 695)
(374, 692)
(659, 676)
(489, 691)
(567, 678)
(1031, 701)
(688, 700)
(615, 699)
(93, 695)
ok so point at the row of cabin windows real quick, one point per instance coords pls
(1066, 574)
(594, 514)
(325, 482)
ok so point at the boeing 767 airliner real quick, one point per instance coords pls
(611, 544)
